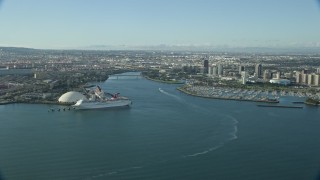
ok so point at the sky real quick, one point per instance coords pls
(59, 24)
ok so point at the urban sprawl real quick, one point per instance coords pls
(41, 76)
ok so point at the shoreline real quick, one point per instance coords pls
(36, 102)
(311, 104)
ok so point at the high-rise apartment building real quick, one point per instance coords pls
(220, 69)
(206, 66)
(241, 68)
(258, 70)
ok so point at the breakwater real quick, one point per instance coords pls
(279, 106)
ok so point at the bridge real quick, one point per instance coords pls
(137, 76)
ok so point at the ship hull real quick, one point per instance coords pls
(82, 105)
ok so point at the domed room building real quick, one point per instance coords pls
(71, 97)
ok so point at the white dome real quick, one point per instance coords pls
(71, 97)
(280, 81)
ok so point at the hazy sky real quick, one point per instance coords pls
(80, 23)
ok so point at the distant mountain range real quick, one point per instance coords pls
(291, 50)
(207, 48)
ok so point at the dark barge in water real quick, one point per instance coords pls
(279, 106)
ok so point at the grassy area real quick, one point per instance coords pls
(164, 81)
(313, 102)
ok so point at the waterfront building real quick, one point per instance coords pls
(266, 74)
(316, 79)
(210, 69)
(241, 68)
(244, 77)
(220, 69)
(258, 70)
(214, 71)
(206, 66)
(298, 77)
(71, 97)
(288, 75)
(304, 78)
(318, 70)
(202, 70)
(273, 75)
(244, 74)
(244, 80)
(278, 75)
(280, 81)
(310, 79)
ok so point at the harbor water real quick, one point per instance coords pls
(165, 134)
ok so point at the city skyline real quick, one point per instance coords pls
(126, 24)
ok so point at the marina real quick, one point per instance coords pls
(226, 93)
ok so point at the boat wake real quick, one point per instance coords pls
(169, 94)
(113, 172)
(183, 101)
(234, 133)
(231, 136)
(229, 122)
(204, 152)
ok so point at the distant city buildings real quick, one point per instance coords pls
(244, 77)
(305, 78)
(266, 75)
(214, 71)
(206, 66)
(316, 79)
(298, 77)
(241, 68)
(210, 69)
(288, 75)
(258, 70)
(220, 69)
